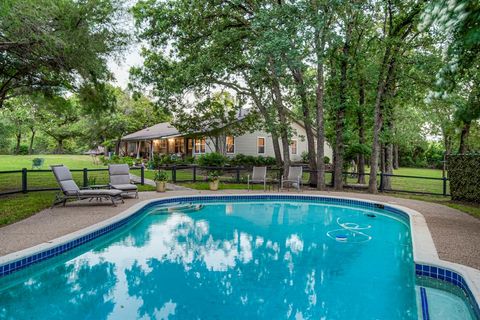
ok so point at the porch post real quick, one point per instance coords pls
(151, 149)
(185, 146)
(138, 149)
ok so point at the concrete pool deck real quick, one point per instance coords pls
(455, 234)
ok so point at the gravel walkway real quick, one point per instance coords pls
(456, 234)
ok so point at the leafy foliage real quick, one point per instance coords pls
(52, 46)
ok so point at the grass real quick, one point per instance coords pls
(20, 206)
(10, 162)
(470, 208)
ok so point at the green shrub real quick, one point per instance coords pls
(464, 175)
(117, 160)
(326, 160)
(213, 159)
(244, 160)
(23, 150)
(304, 157)
(160, 175)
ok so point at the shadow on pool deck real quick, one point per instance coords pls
(456, 234)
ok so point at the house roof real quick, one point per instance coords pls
(166, 130)
(160, 130)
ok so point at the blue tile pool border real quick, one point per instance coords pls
(420, 269)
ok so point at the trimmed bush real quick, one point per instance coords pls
(464, 175)
(243, 160)
(213, 159)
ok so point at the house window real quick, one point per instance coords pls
(293, 147)
(230, 144)
(261, 145)
(200, 145)
(163, 147)
(179, 146)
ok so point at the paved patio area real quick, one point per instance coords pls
(456, 234)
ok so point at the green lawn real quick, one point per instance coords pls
(9, 162)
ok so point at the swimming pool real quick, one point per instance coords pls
(238, 257)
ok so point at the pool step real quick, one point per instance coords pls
(438, 304)
(183, 208)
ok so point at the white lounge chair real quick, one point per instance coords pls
(120, 179)
(259, 175)
(70, 190)
(294, 177)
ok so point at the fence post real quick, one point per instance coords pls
(444, 186)
(85, 177)
(238, 174)
(381, 181)
(142, 175)
(194, 173)
(24, 180)
(174, 173)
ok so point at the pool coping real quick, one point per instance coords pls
(425, 254)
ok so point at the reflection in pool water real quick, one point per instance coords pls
(231, 260)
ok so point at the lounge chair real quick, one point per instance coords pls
(294, 177)
(70, 190)
(120, 179)
(259, 175)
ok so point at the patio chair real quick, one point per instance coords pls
(37, 163)
(259, 175)
(70, 190)
(294, 177)
(120, 179)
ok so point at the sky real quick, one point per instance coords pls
(130, 58)
(120, 68)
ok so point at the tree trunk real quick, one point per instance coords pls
(282, 117)
(319, 95)
(396, 163)
(59, 146)
(361, 131)
(117, 146)
(32, 138)
(387, 181)
(268, 121)
(19, 141)
(307, 119)
(464, 138)
(340, 114)
(386, 72)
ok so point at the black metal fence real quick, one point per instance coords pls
(26, 180)
(385, 182)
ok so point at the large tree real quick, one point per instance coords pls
(57, 45)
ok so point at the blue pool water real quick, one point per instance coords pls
(230, 260)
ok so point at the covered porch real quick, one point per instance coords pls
(145, 149)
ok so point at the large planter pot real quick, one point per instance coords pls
(161, 186)
(214, 185)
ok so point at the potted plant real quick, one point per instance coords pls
(160, 179)
(214, 180)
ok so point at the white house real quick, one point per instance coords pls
(163, 138)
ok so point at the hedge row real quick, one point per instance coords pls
(464, 175)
